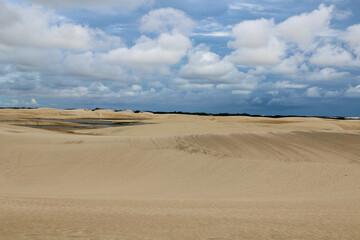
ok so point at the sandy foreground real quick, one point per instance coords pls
(181, 177)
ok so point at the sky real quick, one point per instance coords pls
(265, 57)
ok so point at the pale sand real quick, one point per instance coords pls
(182, 177)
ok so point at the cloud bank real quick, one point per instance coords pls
(260, 62)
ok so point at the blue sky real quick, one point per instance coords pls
(259, 56)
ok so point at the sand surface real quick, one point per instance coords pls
(180, 177)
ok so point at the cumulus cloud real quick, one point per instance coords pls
(90, 65)
(330, 55)
(290, 65)
(34, 102)
(326, 74)
(256, 43)
(252, 33)
(35, 26)
(304, 27)
(97, 90)
(353, 91)
(352, 37)
(18, 102)
(270, 54)
(41, 41)
(207, 66)
(206, 70)
(167, 49)
(313, 92)
(166, 20)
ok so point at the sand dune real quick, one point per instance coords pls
(181, 177)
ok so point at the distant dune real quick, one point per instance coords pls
(177, 177)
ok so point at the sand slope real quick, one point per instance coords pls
(182, 177)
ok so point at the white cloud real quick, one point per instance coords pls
(353, 91)
(330, 94)
(166, 20)
(256, 43)
(273, 92)
(16, 102)
(210, 27)
(97, 87)
(271, 54)
(331, 56)
(136, 87)
(99, 90)
(287, 84)
(38, 37)
(276, 101)
(76, 92)
(204, 64)
(304, 27)
(241, 92)
(252, 33)
(207, 68)
(291, 65)
(352, 36)
(34, 26)
(90, 65)
(247, 84)
(313, 92)
(34, 102)
(326, 74)
(214, 34)
(167, 49)
(245, 6)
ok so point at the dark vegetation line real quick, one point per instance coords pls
(241, 114)
(209, 114)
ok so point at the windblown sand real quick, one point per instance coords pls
(181, 177)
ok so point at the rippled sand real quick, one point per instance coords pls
(181, 177)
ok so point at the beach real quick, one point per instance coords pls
(176, 176)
